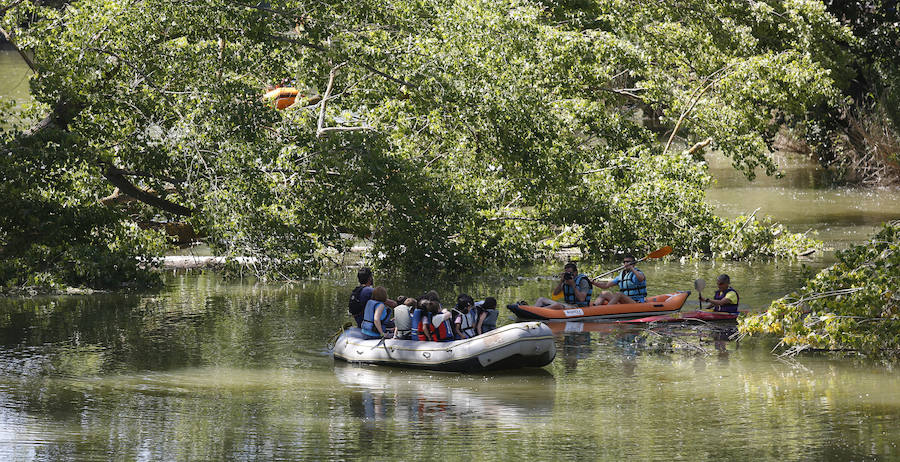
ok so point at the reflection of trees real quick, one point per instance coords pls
(231, 371)
(197, 320)
(718, 409)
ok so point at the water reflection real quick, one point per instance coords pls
(414, 396)
(575, 346)
(209, 369)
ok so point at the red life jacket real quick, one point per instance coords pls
(441, 333)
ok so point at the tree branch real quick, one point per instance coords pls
(699, 145)
(321, 128)
(629, 92)
(695, 98)
(12, 42)
(12, 5)
(389, 77)
(516, 219)
(116, 177)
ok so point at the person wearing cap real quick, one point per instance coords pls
(726, 299)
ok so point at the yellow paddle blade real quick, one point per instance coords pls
(660, 253)
(556, 297)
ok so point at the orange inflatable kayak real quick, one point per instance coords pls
(652, 306)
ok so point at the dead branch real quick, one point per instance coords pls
(695, 98)
(699, 145)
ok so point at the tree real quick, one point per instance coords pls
(858, 135)
(852, 305)
(452, 135)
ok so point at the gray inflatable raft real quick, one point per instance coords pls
(523, 344)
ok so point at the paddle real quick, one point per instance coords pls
(699, 284)
(655, 254)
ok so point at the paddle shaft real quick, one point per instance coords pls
(656, 254)
(617, 269)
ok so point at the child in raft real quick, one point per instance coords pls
(376, 315)
(484, 315)
(726, 299)
(463, 324)
(402, 317)
(435, 323)
(420, 311)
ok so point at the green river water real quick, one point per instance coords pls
(212, 369)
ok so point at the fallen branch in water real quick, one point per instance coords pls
(680, 342)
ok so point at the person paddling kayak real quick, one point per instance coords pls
(631, 282)
(726, 299)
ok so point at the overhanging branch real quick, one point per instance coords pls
(117, 178)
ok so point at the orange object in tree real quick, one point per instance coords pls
(283, 96)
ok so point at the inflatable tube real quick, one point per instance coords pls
(283, 96)
(525, 344)
(660, 304)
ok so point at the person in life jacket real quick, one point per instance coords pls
(377, 315)
(484, 315)
(421, 311)
(435, 323)
(463, 325)
(576, 288)
(726, 299)
(632, 284)
(403, 317)
(361, 294)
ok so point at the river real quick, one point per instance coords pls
(209, 369)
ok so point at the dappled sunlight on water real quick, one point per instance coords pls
(209, 369)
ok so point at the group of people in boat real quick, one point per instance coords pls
(577, 289)
(426, 319)
(423, 318)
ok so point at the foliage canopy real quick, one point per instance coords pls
(451, 134)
